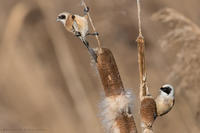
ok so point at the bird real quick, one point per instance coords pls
(165, 101)
(78, 25)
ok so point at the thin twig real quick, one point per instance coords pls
(139, 18)
(92, 24)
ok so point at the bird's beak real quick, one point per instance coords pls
(57, 19)
(161, 88)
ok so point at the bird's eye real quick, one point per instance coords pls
(61, 17)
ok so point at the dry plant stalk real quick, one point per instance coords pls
(116, 110)
(148, 110)
(147, 103)
(142, 70)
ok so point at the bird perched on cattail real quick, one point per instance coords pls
(78, 25)
(165, 101)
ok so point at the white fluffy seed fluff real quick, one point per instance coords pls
(112, 106)
(147, 130)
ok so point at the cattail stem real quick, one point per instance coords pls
(148, 110)
(139, 18)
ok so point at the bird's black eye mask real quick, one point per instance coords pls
(166, 89)
(62, 17)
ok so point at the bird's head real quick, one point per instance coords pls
(167, 90)
(62, 17)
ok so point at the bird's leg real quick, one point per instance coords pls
(93, 34)
(90, 50)
(86, 10)
(85, 42)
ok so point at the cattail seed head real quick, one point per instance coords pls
(148, 111)
(109, 73)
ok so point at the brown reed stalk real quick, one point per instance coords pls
(113, 87)
(147, 103)
(142, 69)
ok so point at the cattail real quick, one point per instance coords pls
(116, 110)
(147, 103)
(109, 73)
(116, 106)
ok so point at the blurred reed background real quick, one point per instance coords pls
(48, 82)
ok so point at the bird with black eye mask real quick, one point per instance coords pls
(165, 101)
(78, 25)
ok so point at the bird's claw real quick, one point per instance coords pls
(96, 33)
(77, 34)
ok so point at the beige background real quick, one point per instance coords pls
(47, 81)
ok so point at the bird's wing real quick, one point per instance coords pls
(75, 26)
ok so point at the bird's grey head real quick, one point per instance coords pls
(167, 90)
(62, 17)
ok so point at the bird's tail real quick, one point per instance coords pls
(90, 50)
